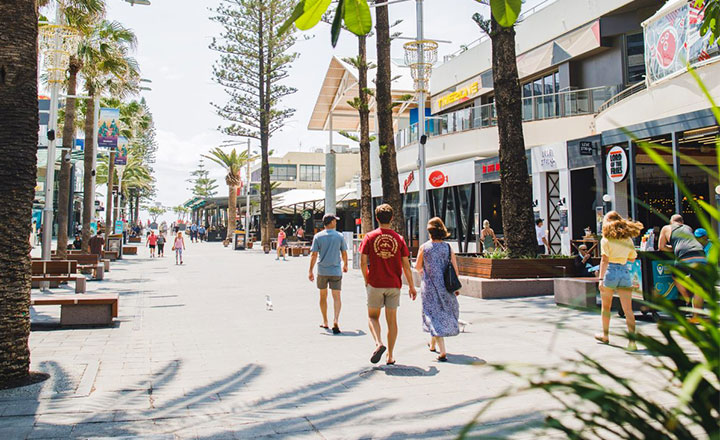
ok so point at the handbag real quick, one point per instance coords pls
(452, 282)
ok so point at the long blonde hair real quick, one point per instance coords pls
(616, 227)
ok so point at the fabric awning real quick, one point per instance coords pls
(286, 203)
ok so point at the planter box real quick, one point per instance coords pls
(135, 240)
(130, 250)
(474, 266)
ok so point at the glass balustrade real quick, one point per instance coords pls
(535, 108)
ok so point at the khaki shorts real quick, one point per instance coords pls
(377, 297)
(323, 281)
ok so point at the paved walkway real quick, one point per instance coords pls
(195, 354)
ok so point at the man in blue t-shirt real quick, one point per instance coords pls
(329, 245)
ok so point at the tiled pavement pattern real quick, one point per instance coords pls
(195, 354)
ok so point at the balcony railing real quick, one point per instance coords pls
(534, 108)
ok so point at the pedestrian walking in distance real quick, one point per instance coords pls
(329, 245)
(679, 238)
(440, 308)
(488, 238)
(541, 235)
(617, 250)
(151, 243)
(384, 258)
(281, 243)
(178, 247)
(161, 245)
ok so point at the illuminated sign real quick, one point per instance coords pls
(462, 94)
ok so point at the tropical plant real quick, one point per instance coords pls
(106, 67)
(597, 402)
(233, 163)
(156, 211)
(80, 15)
(254, 60)
(18, 147)
(202, 185)
(181, 212)
(711, 18)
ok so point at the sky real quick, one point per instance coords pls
(173, 39)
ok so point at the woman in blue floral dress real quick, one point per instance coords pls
(440, 308)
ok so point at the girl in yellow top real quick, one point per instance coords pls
(617, 249)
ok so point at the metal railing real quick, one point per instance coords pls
(534, 108)
(642, 85)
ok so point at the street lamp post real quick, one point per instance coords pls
(420, 55)
(56, 42)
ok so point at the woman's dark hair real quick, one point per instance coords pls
(437, 230)
(384, 213)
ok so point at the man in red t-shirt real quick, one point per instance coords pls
(387, 254)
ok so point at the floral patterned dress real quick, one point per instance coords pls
(440, 308)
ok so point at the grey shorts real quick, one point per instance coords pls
(335, 282)
(377, 297)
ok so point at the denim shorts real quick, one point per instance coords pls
(617, 276)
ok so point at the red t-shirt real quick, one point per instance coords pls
(152, 239)
(385, 249)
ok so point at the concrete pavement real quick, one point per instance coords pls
(195, 354)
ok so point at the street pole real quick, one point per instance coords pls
(247, 197)
(330, 174)
(118, 215)
(47, 226)
(94, 158)
(422, 179)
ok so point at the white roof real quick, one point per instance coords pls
(285, 202)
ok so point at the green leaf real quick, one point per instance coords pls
(313, 12)
(297, 12)
(357, 17)
(337, 23)
(506, 12)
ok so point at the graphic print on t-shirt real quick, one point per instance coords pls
(385, 246)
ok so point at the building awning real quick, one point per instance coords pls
(292, 201)
(340, 85)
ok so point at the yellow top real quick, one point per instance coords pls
(618, 251)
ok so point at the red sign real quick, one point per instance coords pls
(410, 178)
(491, 168)
(437, 179)
(358, 222)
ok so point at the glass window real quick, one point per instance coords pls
(283, 172)
(635, 57)
(311, 173)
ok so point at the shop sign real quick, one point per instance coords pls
(551, 157)
(586, 148)
(437, 179)
(616, 164)
(410, 178)
(491, 168)
(459, 95)
(306, 215)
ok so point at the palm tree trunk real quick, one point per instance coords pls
(515, 186)
(18, 148)
(364, 111)
(65, 165)
(232, 212)
(109, 197)
(388, 157)
(88, 202)
(136, 219)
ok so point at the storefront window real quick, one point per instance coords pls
(283, 172)
(311, 173)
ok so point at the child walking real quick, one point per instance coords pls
(178, 247)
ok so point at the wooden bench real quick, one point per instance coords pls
(57, 271)
(82, 309)
(110, 255)
(130, 250)
(576, 292)
(135, 240)
(104, 261)
(88, 263)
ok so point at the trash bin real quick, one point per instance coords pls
(239, 241)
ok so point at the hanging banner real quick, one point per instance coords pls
(666, 43)
(108, 130)
(122, 151)
(699, 46)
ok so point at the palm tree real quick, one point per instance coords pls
(18, 148)
(232, 163)
(136, 175)
(82, 15)
(107, 66)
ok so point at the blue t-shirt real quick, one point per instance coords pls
(329, 243)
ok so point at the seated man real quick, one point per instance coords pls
(77, 243)
(582, 265)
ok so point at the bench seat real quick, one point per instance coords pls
(576, 292)
(56, 272)
(83, 309)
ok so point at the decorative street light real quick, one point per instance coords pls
(420, 55)
(56, 43)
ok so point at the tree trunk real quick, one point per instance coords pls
(18, 148)
(137, 209)
(515, 185)
(65, 165)
(232, 212)
(364, 111)
(88, 202)
(267, 222)
(109, 226)
(388, 158)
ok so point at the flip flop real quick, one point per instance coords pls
(434, 350)
(602, 339)
(324, 326)
(391, 363)
(377, 354)
(442, 358)
(336, 330)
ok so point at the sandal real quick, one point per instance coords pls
(324, 326)
(391, 363)
(336, 330)
(434, 350)
(442, 358)
(377, 354)
(602, 339)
